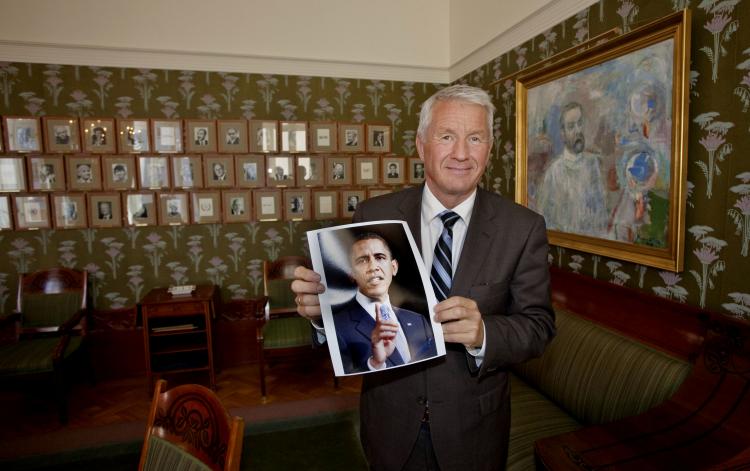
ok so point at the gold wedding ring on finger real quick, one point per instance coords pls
(298, 300)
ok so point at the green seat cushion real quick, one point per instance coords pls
(598, 375)
(32, 356)
(287, 332)
(532, 416)
(162, 455)
(44, 310)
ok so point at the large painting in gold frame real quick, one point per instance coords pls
(602, 145)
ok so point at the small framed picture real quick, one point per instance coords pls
(167, 135)
(206, 207)
(173, 209)
(373, 192)
(416, 170)
(12, 174)
(104, 209)
(326, 204)
(187, 172)
(296, 205)
(264, 136)
(6, 221)
(293, 136)
(237, 205)
(310, 171)
(280, 171)
(338, 170)
(98, 135)
(350, 199)
(393, 170)
(153, 172)
(200, 135)
(267, 205)
(140, 208)
(366, 170)
(69, 210)
(250, 170)
(232, 136)
(118, 172)
(378, 138)
(351, 137)
(218, 171)
(323, 137)
(133, 136)
(22, 134)
(84, 172)
(31, 212)
(46, 172)
(61, 135)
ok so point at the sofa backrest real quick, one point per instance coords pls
(598, 375)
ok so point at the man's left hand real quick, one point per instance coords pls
(461, 321)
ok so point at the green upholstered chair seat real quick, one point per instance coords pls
(32, 356)
(43, 310)
(599, 376)
(163, 455)
(532, 417)
(287, 332)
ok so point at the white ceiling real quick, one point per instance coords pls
(413, 40)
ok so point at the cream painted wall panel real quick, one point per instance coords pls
(474, 23)
(354, 31)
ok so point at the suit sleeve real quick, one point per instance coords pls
(527, 324)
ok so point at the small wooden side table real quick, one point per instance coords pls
(177, 332)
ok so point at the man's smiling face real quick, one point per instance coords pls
(373, 268)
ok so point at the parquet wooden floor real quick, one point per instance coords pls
(29, 414)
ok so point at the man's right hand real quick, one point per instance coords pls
(307, 287)
(383, 338)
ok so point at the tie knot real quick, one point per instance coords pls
(449, 218)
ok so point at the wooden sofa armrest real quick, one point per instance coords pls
(9, 319)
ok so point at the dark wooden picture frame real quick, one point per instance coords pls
(263, 136)
(325, 204)
(280, 171)
(250, 170)
(200, 136)
(13, 173)
(6, 213)
(351, 137)
(153, 172)
(166, 135)
(133, 136)
(104, 209)
(338, 170)
(323, 137)
(416, 170)
(22, 134)
(69, 210)
(206, 207)
(218, 171)
(268, 205)
(84, 172)
(31, 211)
(231, 136)
(394, 170)
(297, 204)
(46, 172)
(61, 135)
(237, 206)
(366, 170)
(118, 172)
(140, 208)
(379, 137)
(350, 199)
(173, 208)
(293, 136)
(310, 170)
(187, 171)
(98, 135)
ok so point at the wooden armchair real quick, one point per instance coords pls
(284, 333)
(188, 428)
(50, 326)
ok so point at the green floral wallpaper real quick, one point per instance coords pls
(126, 263)
(718, 206)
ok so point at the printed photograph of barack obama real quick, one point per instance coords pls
(378, 306)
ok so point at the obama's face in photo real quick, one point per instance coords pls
(373, 267)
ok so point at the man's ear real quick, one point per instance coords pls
(394, 265)
(420, 148)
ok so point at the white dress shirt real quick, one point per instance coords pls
(432, 227)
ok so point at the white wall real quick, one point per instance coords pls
(415, 40)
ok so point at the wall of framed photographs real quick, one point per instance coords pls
(146, 172)
(148, 208)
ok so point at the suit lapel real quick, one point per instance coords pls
(364, 324)
(476, 245)
(411, 210)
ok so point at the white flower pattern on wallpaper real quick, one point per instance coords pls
(740, 212)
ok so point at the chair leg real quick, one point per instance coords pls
(262, 371)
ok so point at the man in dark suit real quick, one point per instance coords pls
(491, 277)
(372, 333)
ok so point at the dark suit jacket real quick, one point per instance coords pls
(354, 326)
(503, 267)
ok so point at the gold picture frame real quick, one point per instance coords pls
(394, 170)
(22, 134)
(237, 206)
(139, 208)
(61, 135)
(104, 209)
(133, 136)
(379, 138)
(206, 207)
(366, 170)
(293, 136)
(250, 170)
(98, 135)
(187, 172)
(350, 199)
(267, 205)
(46, 172)
(326, 205)
(323, 137)
(200, 136)
(338, 170)
(416, 170)
(264, 136)
(167, 135)
(310, 170)
(84, 172)
(627, 194)
(231, 136)
(173, 208)
(351, 137)
(296, 204)
(118, 172)
(153, 172)
(218, 171)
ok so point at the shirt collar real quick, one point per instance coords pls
(368, 304)
(432, 207)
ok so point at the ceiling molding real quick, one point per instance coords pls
(16, 51)
(535, 23)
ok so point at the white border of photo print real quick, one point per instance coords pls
(410, 290)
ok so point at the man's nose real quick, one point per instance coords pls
(461, 149)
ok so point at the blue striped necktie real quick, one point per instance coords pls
(442, 271)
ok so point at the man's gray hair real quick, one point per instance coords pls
(463, 93)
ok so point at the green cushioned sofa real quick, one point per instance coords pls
(588, 374)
